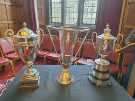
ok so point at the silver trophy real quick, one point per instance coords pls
(100, 74)
(68, 36)
(27, 43)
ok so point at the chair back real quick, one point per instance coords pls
(88, 50)
(113, 57)
(94, 36)
(47, 43)
(127, 58)
(1, 54)
(41, 33)
(6, 45)
(128, 53)
(56, 44)
(9, 33)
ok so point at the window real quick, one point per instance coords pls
(89, 13)
(56, 11)
(73, 12)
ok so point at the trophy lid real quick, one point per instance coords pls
(107, 34)
(25, 32)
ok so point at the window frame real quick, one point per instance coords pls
(63, 11)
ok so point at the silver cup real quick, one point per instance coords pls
(100, 74)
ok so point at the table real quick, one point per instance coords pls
(80, 90)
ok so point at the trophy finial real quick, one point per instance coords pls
(107, 29)
(107, 25)
(107, 32)
(24, 24)
(24, 31)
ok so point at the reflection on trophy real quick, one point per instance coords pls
(68, 37)
(99, 75)
(27, 44)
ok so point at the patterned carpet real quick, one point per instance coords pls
(3, 86)
(6, 76)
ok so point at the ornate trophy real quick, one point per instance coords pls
(27, 43)
(99, 75)
(68, 37)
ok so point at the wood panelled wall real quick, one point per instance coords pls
(127, 22)
(109, 12)
(41, 13)
(13, 13)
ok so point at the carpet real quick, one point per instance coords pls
(6, 74)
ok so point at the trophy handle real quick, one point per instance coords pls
(117, 44)
(93, 39)
(120, 38)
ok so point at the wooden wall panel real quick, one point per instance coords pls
(127, 22)
(3, 18)
(109, 12)
(41, 12)
(13, 13)
(131, 14)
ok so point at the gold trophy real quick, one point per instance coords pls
(27, 43)
(67, 36)
(100, 74)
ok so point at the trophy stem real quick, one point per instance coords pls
(29, 68)
(65, 77)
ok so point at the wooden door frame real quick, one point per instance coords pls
(122, 17)
(36, 14)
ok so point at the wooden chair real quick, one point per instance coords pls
(127, 58)
(9, 33)
(55, 54)
(121, 58)
(77, 51)
(88, 54)
(8, 50)
(45, 47)
(5, 61)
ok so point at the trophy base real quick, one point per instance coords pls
(99, 83)
(100, 74)
(65, 77)
(30, 80)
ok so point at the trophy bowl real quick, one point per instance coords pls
(26, 42)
